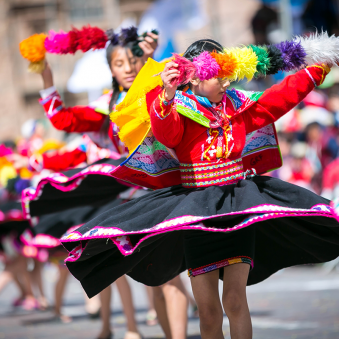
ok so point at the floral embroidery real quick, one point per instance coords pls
(164, 105)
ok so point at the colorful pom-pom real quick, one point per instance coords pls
(186, 68)
(36, 67)
(57, 43)
(33, 48)
(263, 60)
(320, 48)
(91, 38)
(206, 66)
(84, 39)
(128, 35)
(293, 55)
(276, 60)
(246, 63)
(112, 37)
(227, 63)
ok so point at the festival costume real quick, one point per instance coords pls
(203, 160)
(219, 212)
(80, 186)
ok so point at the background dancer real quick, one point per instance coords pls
(124, 65)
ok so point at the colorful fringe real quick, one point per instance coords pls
(35, 47)
(235, 63)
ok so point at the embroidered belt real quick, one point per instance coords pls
(212, 173)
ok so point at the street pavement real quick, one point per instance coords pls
(296, 303)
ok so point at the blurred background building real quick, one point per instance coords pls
(19, 19)
(309, 134)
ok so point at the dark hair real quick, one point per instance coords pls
(109, 52)
(115, 85)
(203, 45)
(200, 46)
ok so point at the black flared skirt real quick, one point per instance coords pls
(145, 238)
(73, 188)
(48, 229)
(12, 224)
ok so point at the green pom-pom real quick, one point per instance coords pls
(136, 50)
(263, 60)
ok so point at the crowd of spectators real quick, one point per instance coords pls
(309, 141)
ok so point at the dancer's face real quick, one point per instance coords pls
(125, 66)
(212, 89)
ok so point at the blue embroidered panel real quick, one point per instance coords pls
(233, 95)
(152, 157)
(186, 101)
(264, 137)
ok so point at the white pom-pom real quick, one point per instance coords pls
(320, 48)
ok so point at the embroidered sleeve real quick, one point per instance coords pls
(162, 108)
(281, 98)
(167, 124)
(72, 119)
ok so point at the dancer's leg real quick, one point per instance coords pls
(160, 307)
(36, 278)
(235, 302)
(59, 292)
(20, 270)
(92, 306)
(105, 312)
(151, 317)
(5, 278)
(206, 294)
(127, 304)
(19, 284)
(176, 306)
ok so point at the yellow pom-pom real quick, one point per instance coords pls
(246, 63)
(33, 48)
(36, 67)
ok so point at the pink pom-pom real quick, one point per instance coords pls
(186, 70)
(84, 39)
(207, 67)
(57, 43)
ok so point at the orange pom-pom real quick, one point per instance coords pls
(33, 48)
(227, 63)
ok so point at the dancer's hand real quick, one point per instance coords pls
(168, 76)
(47, 76)
(149, 45)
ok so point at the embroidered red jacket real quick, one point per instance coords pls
(81, 152)
(195, 143)
(81, 119)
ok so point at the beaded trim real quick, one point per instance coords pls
(223, 263)
(215, 164)
(213, 174)
(214, 182)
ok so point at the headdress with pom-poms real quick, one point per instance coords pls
(35, 47)
(252, 61)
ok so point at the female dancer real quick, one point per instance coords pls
(225, 218)
(90, 119)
